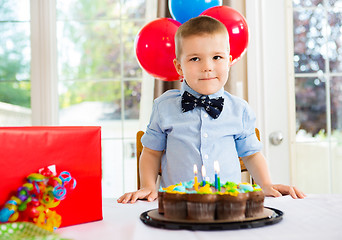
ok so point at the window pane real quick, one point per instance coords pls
(335, 40)
(312, 160)
(130, 167)
(132, 91)
(336, 105)
(16, 93)
(112, 165)
(310, 106)
(15, 58)
(336, 135)
(15, 103)
(133, 9)
(307, 3)
(131, 65)
(334, 3)
(91, 103)
(336, 162)
(308, 40)
(119, 167)
(18, 10)
(89, 51)
(15, 51)
(87, 10)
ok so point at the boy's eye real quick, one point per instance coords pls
(217, 57)
(194, 59)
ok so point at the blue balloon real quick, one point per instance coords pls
(183, 10)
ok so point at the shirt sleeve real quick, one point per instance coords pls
(247, 142)
(154, 137)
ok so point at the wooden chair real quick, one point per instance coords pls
(139, 148)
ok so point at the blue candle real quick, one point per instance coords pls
(216, 181)
(217, 178)
(203, 176)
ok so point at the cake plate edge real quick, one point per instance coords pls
(276, 217)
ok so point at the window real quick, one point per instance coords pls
(85, 53)
(318, 87)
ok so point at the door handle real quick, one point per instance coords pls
(276, 138)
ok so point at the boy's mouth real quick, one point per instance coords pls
(209, 78)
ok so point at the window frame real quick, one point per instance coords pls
(44, 80)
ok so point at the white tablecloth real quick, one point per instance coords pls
(315, 217)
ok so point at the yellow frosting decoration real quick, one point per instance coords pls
(235, 193)
(205, 189)
(177, 192)
(169, 188)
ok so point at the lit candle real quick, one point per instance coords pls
(203, 175)
(217, 178)
(196, 180)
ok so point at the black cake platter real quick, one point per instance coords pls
(154, 219)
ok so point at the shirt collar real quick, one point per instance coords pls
(186, 87)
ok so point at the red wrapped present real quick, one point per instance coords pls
(24, 150)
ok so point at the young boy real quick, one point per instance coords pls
(201, 123)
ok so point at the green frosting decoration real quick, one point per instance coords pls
(230, 185)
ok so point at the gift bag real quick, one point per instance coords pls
(25, 150)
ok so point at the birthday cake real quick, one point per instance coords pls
(207, 202)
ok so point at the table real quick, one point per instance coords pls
(315, 217)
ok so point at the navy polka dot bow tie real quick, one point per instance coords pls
(212, 106)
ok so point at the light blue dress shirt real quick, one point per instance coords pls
(194, 137)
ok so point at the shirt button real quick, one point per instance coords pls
(205, 135)
(206, 156)
(206, 115)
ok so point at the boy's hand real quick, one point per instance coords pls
(143, 193)
(278, 190)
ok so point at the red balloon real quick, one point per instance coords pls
(155, 48)
(237, 28)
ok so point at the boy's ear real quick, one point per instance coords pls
(178, 66)
(230, 60)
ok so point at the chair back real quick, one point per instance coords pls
(139, 148)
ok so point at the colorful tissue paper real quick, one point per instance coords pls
(35, 199)
(23, 150)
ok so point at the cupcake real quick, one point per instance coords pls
(255, 200)
(174, 202)
(201, 205)
(231, 204)
(161, 194)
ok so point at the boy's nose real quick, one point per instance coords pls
(207, 66)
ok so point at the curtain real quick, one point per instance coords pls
(161, 86)
(237, 81)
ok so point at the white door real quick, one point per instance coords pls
(312, 157)
(267, 81)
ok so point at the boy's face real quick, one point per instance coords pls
(204, 62)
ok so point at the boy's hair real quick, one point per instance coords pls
(197, 26)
